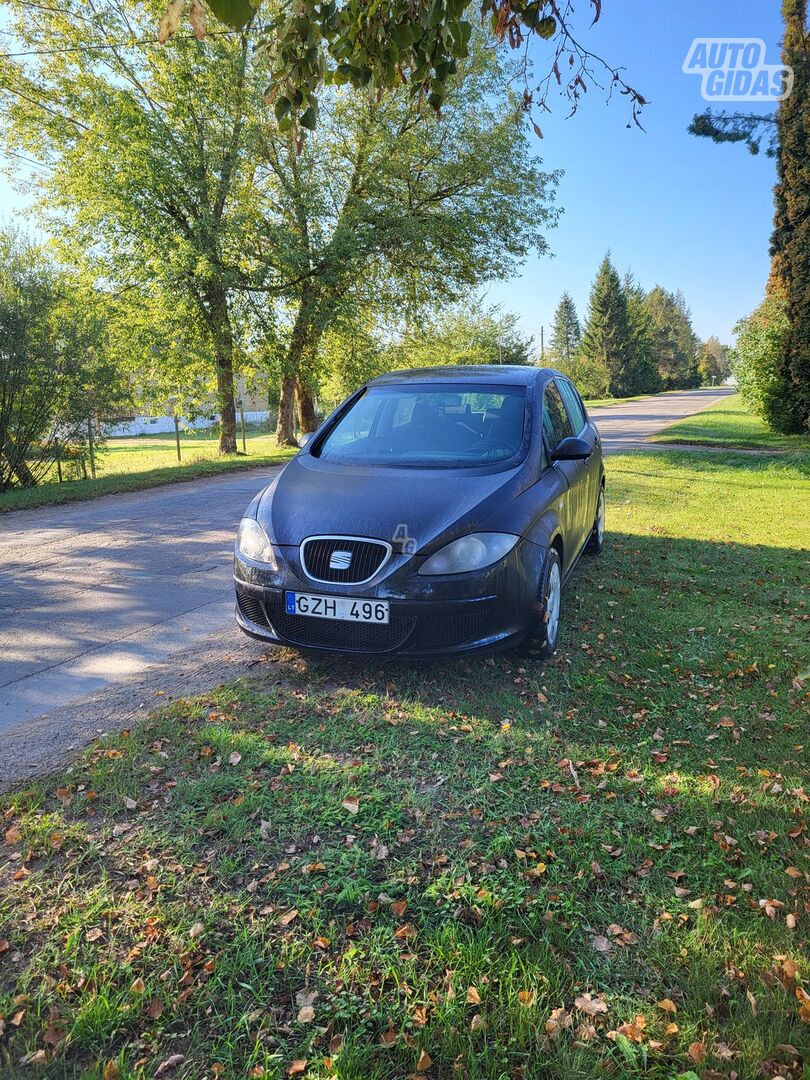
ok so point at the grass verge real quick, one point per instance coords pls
(487, 869)
(114, 483)
(729, 424)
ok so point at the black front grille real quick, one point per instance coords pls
(339, 634)
(251, 608)
(367, 556)
(442, 631)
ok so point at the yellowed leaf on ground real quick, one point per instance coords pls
(478, 1023)
(306, 1014)
(590, 1005)
(668, 1005)
(297, 1067)
(473, 997)
(697, 1052)
(352, 804)
(138, 986)
(424, 1062)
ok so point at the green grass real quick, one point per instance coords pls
(622, 822)
(130, 464)
(731, 425)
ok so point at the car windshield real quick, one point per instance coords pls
(465, 425)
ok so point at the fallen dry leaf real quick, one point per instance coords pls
(668, 1005)
(235, 758)
(138, 986)
(197, 930)
(590, 1005)
(297, 1067)
(478, 1023)
(424, 1062)
(352, 804)
(170, 1063)
(473, 997)
(697, 1052)
(527, 998)
(306, 1014)
(600, 943)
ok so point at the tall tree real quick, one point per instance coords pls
(607, 339)
(713, 361)
(676, 343)
(387, 199)
(787, 137)
(151, 157)
(56, 373)
(790, 244)
(566, 332)
(643, 376)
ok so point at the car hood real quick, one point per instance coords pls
(312, 497)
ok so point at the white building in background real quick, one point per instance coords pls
(254, 402)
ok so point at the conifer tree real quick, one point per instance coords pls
(607, 340)
(566, 333)
(790, 244)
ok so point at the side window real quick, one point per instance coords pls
(556, 424)
(574, 406)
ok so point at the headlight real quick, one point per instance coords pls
(472, 552)
(252, 542)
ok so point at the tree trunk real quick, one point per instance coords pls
(285, 427)
(306, 407)
(219, 322)
(300, 345)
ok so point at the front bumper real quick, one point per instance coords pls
(442, 616)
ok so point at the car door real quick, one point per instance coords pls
(584, 429)
(556, 427)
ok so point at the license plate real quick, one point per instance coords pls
(347, 608)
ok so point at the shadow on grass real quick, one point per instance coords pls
(435, 858)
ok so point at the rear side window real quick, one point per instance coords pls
(556, 423)
(574, 405)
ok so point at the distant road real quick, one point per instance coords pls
(107, 605)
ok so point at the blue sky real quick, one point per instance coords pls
(677, 210)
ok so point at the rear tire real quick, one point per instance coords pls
(549, 600)
(597, 540)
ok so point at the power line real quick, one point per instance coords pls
(130, 44)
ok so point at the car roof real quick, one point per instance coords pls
(504, 374)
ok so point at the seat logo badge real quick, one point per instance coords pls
(340, 560)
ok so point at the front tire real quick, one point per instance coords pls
(597, 539)
(549, 597)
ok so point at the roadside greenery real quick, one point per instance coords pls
(135, 464)
(730, 424)
(491, 867)
(633, 341)
(58, 384)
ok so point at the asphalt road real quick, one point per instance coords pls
(108, 605)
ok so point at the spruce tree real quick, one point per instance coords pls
(566, 333)
(607, 340)
(643, 374)
(790, 244)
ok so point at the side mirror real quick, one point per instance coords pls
(572, 449)
(304, 439)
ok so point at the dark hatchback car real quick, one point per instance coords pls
(437, 511)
